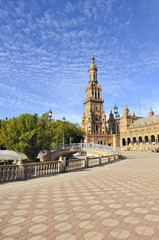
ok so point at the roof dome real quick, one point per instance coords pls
(93, 66)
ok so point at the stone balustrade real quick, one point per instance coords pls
(22, 171)
(8, 172)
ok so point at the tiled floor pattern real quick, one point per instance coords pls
(115, 201)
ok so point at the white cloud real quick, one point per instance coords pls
(44, 58)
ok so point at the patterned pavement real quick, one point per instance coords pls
(116, 201)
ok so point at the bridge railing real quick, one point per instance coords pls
(83, 145)
(73, 146)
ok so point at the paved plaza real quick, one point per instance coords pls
(119, 200)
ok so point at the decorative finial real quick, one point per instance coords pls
(92, 53)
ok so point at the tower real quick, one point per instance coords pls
(111, 123)
(94, 118)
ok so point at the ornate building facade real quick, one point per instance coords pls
(94, 118)
(128, 132)
(140, 132)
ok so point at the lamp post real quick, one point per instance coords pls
(50, 117)
(117, 117)
(64, 120)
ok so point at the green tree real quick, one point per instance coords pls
(27, 134)
(73, 131)
(30, 134)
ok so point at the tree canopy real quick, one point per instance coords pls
(27, 134)
(30, 134)
(71, 131)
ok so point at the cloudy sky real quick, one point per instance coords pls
(46, 48)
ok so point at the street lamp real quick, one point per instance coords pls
(117, 117)
(64, 120)
(50, 117)
(115, 110)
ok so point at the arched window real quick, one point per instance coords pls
(146, 139)
(152, 139)
(123, 142)
(134, 140)
(140, 139)
(129, 141)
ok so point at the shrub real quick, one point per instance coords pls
(9, 161)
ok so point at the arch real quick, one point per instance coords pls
(140, 140)
(134, 140)
(123, 142)
(152, 139)
(129, 141)
(158, 138)
(146, 139)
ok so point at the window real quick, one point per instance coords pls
(94, 76)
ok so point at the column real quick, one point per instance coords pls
(156, 139)
(137, 140)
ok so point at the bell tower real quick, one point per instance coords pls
(94, 118)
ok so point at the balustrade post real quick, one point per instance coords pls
(100, 161)
(20, 173)
(60, 165)
(86, 162)
(108, 157)
(35, 170)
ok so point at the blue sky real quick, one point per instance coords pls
(46, 48)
